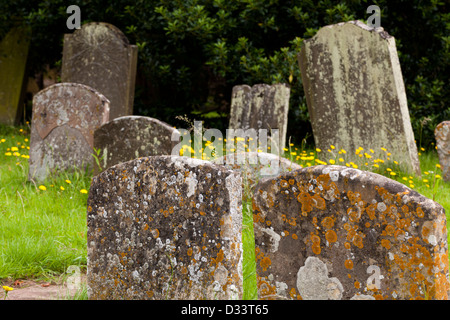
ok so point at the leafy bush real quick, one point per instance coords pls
(192, 52)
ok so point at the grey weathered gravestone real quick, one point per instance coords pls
(13, 60)
(165, 227)
(332, 232)
(130, 137)
(65, 116)
(100, 56)
(262, 106)
(355, 93)
(442, 134)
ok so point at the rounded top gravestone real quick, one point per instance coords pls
(332, 232)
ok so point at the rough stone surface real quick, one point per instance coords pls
(256, 165)
(262, 106)
(442, 134)
(100, 56)
(13, 59)
(64, 118)
(355, 93)
(165, 227)
(130, 137)
(331, 232)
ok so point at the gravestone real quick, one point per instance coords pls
(257, 165)
(262, 106)
(355, 93)
(332, 232)
(65, 116)
(13, 59)
(130, 137)
(442, 134)
(165, 227)
(100, 56)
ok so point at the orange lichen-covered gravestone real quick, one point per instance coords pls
(165, 227)
(331, 232)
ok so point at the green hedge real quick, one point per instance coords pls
(192, 52)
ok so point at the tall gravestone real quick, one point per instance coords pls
(262, 106)
(442, 134)
(355, 93)
(65, 116)
(130, 137)
(13, 59)
(100, 56)
(165, 227)
(332, 232)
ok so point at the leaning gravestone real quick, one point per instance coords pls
(100, 56)
(13, 59)
(165, 227)
(332, 232)
(130, 137)
(64, 118)
(355, 93)
(442, 134)
(262, 106)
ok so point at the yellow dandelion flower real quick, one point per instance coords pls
(396, 162)
(438, 165)
(376, 165)
(331, 161)
(8, 154)
(393, 173)
(3, 140)
(285, 149)
(423, 149)
(405, 178)
(384, 149)
(343, 151)
(355, 166)
(14, 149)
(68, 181)
(438, 177)
(341, 160)
(371, 150)
(425, 180)
(332, 147)
(389, 169)
(318, 150)
(62, 188)
(83, 191)
(43, 188)
(6, 288)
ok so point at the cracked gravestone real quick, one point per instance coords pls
(65, 116)
(332, 232)
(165, 227)
(355, 92)
(99, 55)
(130, 137)
(442, 134)
(13, 59)
(262, 106)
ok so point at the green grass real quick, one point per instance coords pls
(42, 231)
(43, 226)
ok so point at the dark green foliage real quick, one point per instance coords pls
(192, 52)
